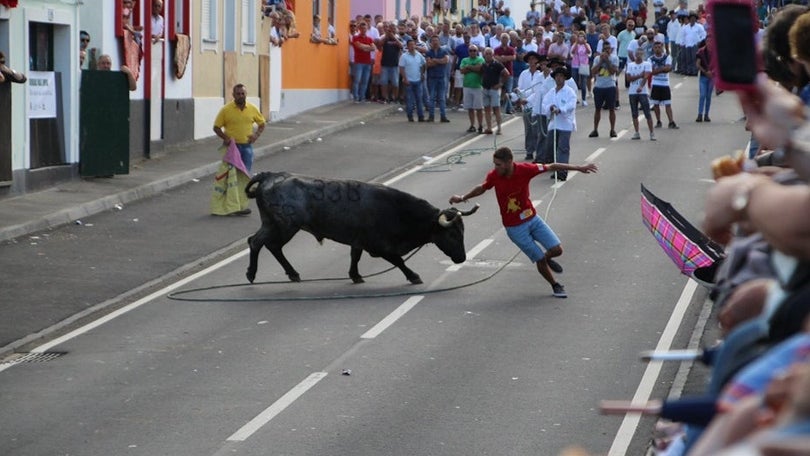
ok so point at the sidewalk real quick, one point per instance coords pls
(178, 164)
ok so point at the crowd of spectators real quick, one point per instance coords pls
(572, 32)
(757, 399)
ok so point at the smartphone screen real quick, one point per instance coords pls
(734, 40)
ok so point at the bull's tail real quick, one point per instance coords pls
(256, 179)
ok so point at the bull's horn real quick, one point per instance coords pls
(471, 211)
(444, 221)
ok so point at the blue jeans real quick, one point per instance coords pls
(246, 151)
(437, 89)
(413, 91)
(529, 233)
(362, 73)
(705, 101)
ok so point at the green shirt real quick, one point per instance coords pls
(472, 80)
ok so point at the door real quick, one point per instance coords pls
(104, 124)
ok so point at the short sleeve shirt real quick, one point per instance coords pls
(472, 80)
(238, 123)
(491, 74)
(512, 192)
(603, 77)
(635, 69)
(361, 56)
(507, 51)
(660, 79)
(437, 71)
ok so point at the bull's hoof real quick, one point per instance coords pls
(251, 275)
(294, 277)
(358, 279)
(415, 280)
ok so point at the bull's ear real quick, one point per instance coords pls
(471, 211)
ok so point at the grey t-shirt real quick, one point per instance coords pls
(603, 77)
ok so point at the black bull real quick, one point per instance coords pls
(383, 221)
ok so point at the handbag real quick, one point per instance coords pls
(584, 70)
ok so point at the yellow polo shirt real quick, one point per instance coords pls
(238, 123)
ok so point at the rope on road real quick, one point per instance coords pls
(458, 157)
(183, 294)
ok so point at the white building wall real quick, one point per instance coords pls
(66, 61)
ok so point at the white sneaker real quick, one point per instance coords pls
(636, 136)
(652, 136)
(584, 103)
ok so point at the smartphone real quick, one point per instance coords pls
(735, 60)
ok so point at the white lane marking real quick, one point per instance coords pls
(96, 323)
(472, 253)
(277, 407)
(625, 434)
(591, 158)
(678, 85)
(442, 155)
(392, 317)
(619, 135)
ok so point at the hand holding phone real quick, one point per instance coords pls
(735, 61)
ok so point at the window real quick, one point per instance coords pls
(331, 19)
(248, 26)
(208, 25)
(179, 11)
(316, 7)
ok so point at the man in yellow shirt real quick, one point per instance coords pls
(235, 122)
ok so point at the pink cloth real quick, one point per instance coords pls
(233, 157)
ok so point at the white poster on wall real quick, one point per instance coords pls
(41, 95)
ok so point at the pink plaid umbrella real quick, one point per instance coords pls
(685, 245)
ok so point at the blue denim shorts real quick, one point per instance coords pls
(529, 233)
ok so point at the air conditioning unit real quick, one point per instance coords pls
(5, 13)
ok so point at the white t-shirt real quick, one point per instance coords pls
(660, 79)
(529, 47)
(479, 41)
(614, 46)
(635, 69)
(157, 25)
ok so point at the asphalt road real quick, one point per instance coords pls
(494, 366)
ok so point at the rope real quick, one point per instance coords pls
(553, 187)
(181, 295)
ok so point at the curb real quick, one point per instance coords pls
(67, 216)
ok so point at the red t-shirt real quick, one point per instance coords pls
(513, 192)
(506, 50)
(361, 56)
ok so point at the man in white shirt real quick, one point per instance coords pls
(690, 36)
(559, 104)
(530, 96)
(637, 72)
(661, 93)
(157, 21)
(606, 36)
(476, 37)
(528, 42)
(673, 30)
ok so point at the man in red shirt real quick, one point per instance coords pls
(506, 54)
(523, 226)
(363, 46)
